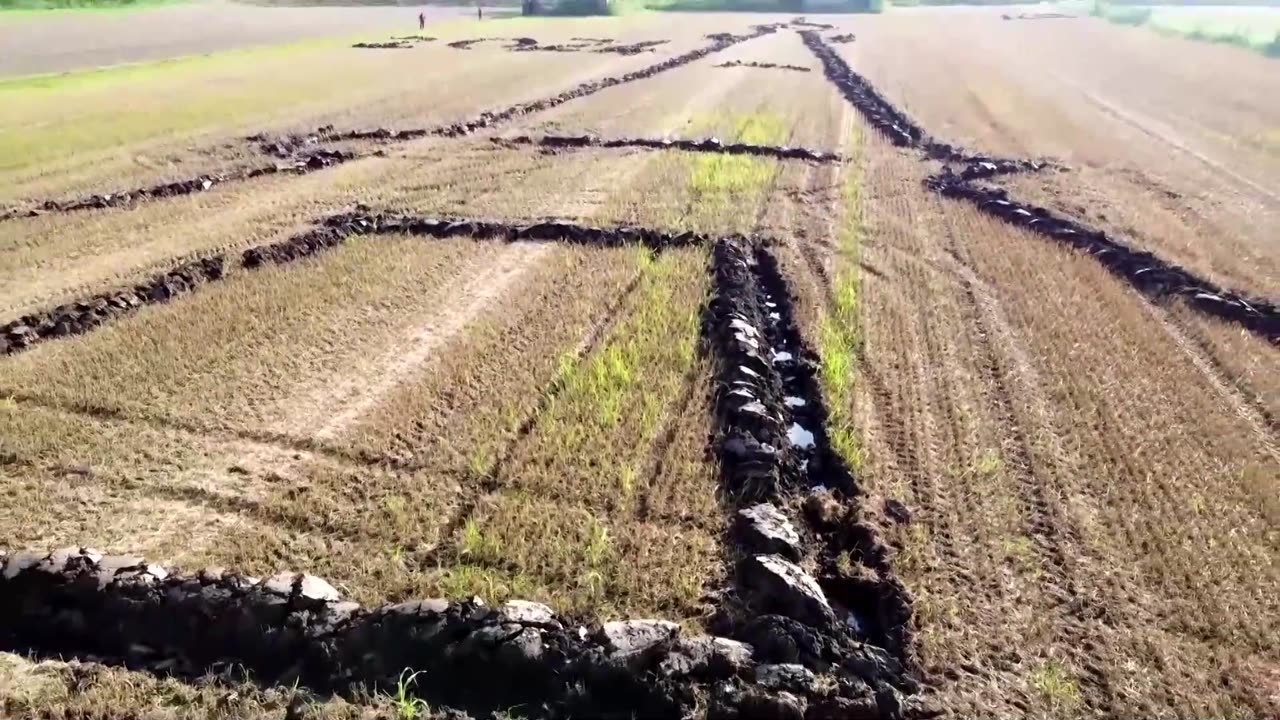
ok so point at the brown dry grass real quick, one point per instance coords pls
(1094, 532)
(50, 688)
(1154, 129)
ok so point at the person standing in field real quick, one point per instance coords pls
(422, 21)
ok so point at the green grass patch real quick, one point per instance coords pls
(592, 452)
(722, 186)
(1057, 686)
(840, 332)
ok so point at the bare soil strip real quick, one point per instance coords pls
(708, 145)
(366, 386)
(1149, 274)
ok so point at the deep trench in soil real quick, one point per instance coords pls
(774, 449)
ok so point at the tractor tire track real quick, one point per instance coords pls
(1048, 528)
(490, 481)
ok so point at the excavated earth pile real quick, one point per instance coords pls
(298, 163)
(84, 315)
(595, 45)
(708, 145)
(403, 42)
(338, 228)
(762, 66)
(392, 45)
(795, 505)
(1154, 277)
(294, 628)
(1143, 270)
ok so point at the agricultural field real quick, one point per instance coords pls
(715, 365)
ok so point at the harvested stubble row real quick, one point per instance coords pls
(1149, 274)
(84, 315)
(708, 145)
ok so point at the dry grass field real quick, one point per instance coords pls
(1075, 482)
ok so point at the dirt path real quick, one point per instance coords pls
(335, 405)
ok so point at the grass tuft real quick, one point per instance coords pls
(840, 335)
(1057, 686)
(407, 706)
